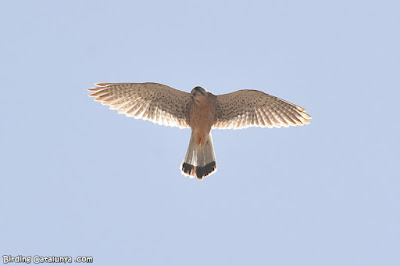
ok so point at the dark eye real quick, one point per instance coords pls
(194, 94)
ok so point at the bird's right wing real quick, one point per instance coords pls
(149, 101)
(251, 108)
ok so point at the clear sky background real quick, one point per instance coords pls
(80, 180)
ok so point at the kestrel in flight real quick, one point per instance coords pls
(201, 111)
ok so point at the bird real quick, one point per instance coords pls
(200, 111)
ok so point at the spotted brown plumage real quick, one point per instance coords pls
(251, 108)
(201, 111)
(149, 101)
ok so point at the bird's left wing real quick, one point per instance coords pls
(149, 101)
(251, 108)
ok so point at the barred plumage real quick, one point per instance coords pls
(251, 108)
(199, 110)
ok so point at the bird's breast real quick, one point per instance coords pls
(201, 119)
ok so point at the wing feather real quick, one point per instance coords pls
(251, 108)
(150, 101)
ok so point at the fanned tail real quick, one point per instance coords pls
(200, 159)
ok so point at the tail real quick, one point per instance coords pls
(200, 159)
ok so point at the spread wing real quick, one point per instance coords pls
(251, 108)
(149, 101)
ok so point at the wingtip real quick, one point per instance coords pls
(306, 116)
(301, 109)
(96, 93)
(101, 84)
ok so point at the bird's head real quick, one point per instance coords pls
(199, 94)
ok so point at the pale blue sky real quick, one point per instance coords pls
(80, 180)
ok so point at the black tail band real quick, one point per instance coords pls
(199, 171)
